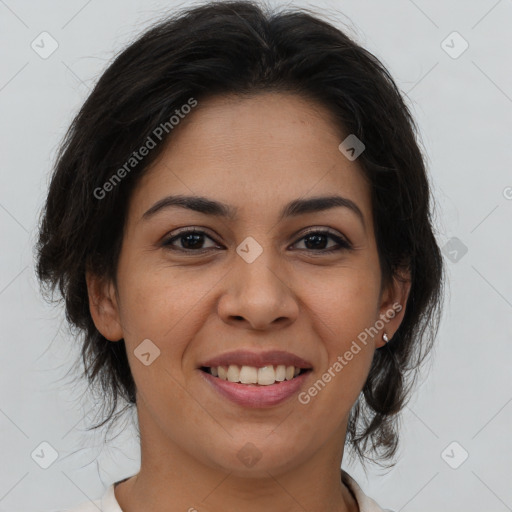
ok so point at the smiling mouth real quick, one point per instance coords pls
(255, 376)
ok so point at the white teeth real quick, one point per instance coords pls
(264, 376)
(223, 372)
(233, 374)
(248, 375)
(280, 372)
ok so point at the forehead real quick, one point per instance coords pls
(255, 151)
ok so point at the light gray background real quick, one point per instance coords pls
(464, 108)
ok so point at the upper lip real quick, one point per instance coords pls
(257, 359)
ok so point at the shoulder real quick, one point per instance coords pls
(365, 503)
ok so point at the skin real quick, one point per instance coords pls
(255, 153)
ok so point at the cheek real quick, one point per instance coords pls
(158, 302)
(159, 308)
(342, 312)
(345, 304)
(344, 309)
(167, 306)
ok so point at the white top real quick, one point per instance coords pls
(108, 502)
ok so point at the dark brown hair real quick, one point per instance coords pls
(242, 48)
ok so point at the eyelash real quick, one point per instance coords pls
(343, 244)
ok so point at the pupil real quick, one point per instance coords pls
(317, 239)
(196, 238)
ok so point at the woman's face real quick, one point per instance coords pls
(255, 281)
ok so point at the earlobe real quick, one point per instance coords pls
(103, 306)
(393, 305)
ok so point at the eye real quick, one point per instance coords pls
(316, 238)
(191, 240)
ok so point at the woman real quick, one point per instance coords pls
(239, 223)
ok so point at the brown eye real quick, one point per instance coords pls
(316, 241)
(189, 240)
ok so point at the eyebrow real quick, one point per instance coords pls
(217, 209)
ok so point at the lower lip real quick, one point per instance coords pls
(256, 396)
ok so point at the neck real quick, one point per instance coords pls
(171, 475)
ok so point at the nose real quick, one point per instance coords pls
(258, 295)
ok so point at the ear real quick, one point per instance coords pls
(103, 306)
(393, 303)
